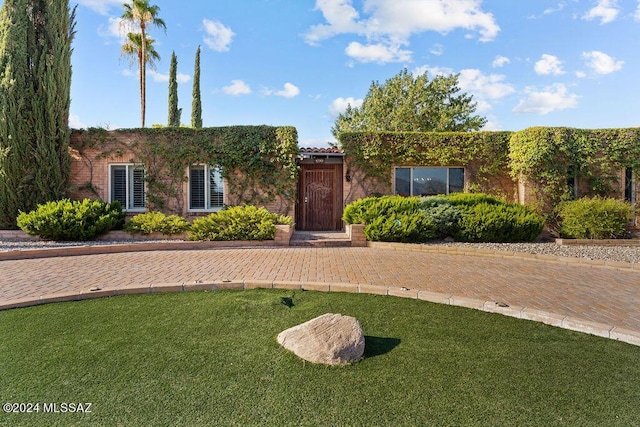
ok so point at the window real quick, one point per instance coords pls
(427, 181)
(127, 186)
(629, 186)
(206, 188)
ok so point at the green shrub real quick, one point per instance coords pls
(414, 227)
(594, 218)
(445, 218)
(157, 222)
(365, 211)
(238, 223)
(505, 222)
(72, 220)
(470, 199)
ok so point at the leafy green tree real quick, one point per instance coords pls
(140, 14)
(35, 82)
(196, 106)
(174, 111)
(408, 103)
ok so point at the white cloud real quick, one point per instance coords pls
(75, 122)
(218, 37)
(484, 88)
(550, 99)
(289, 91)
(128, 73)
(237, 88)
(500, 62)
(390, 24)
(339, 105)
(437, 49)
(549, 64)
(101, 6)
(637, 14)
(432, 71)
(114, 28)
(605, 10)
(555, 9)
(377, 53)
(601, 63)
(164, 78)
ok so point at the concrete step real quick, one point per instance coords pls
(319, 239)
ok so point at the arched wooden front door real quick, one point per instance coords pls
(319, 206)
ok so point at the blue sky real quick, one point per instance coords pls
(299, 62)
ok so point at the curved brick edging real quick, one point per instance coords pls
(21, 254)
(565, 322)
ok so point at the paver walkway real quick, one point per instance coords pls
(593, 294)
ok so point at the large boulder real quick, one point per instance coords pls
(331, 339)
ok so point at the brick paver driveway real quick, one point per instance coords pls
(602, 295)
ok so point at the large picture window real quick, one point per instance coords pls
(127, 186)
(206, 188)
(428, 181)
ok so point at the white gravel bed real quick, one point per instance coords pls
(43, 244)
(611, 253)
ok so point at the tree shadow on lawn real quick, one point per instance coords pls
(377, 346)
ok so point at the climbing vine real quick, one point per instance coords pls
(545, 157)
(258, 162)
(548, 157)
(484, 154)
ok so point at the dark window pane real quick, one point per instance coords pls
(403, 181)
(429, 181)
(196, 188)
(119, 185)
(456, 180)
(628, 185)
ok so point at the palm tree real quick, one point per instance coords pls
(140, 15)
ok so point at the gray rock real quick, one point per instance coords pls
(331, 339)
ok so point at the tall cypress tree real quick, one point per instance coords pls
(174, 111)
(35, 83)
(196, 106)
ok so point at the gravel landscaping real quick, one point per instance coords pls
(611, 253)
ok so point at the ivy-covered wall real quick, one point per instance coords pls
(546, 158)
(258, 163)
(370, 158)
(532, 165)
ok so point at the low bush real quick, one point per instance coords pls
(413, 227)
(445, 219)
(365, 211)
(500, 223)
(466, 217)
(72, 220)
(594, 218)
(471, 199)
(157, 222)
(238, 223)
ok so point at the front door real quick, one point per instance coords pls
(320, 197)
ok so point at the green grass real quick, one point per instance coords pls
(211, 358)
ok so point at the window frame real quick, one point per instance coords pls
(207, 188)
(411, 175)
(129, 168)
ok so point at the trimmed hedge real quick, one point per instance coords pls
(466, 217)
(157, 222)
(72, 220)
(499, 223)
(238, 223)
(594, 218)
